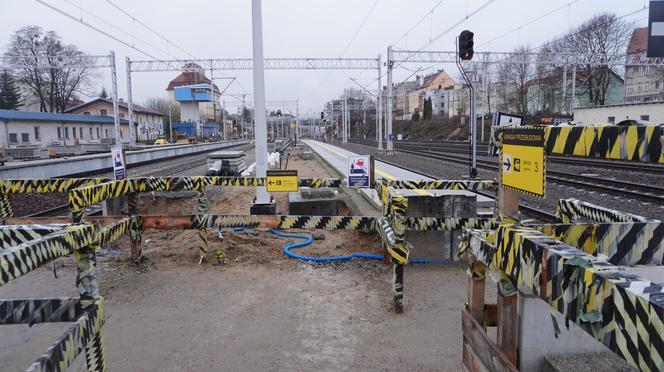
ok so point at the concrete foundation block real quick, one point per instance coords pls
(537, 339)
(313, 202)
(263, 209)
(438, 245)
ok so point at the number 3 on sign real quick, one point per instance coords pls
(536, 167)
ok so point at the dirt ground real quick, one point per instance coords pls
(259, 310)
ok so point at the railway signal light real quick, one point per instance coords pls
(466, 45)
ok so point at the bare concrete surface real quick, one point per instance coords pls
(297, 316)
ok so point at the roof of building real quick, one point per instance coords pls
(7, 115)
(190, 77)
(121, 103)
(639, 41)
(429, 79)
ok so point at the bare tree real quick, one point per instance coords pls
(58, 85)
(514, 77)
(600, 40)
(162, 105)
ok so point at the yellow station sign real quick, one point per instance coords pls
(523, 161)
(281, 181)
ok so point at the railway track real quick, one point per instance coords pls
(539, 214)
(462, 148)
(169, 169)
(632, 190)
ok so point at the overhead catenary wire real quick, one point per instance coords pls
(547, 14)
(82, 10)
(71, 16)
(149, 28)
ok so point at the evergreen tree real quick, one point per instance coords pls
(427, 110)
(415, 116)
(10, 97)
(103, 93)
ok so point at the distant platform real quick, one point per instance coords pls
(338, 158)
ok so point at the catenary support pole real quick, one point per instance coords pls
(114, 95)
(390, 104)
(573, 87)
(379, 100)
(262, 197)
(130, 105)
(564, 103)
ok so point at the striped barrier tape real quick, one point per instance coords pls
(619, 309)
(572, 209)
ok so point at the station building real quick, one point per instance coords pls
(26, 128)
(652, 112)
(147, 122)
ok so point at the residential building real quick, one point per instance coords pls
(426, 85)
(401, 104)
(193, 74)
(652, 112)
(439, 102)
(21, 128)
(545, 95)
(147, 122)
(642, 83)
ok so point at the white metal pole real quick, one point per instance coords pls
(114, 96)
(390, 146)
(564, 103)
(573, 86)
(223, 118)
(297, 120)
(130, 105)
(262, 197)
(379, 98)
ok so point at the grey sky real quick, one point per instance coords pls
(297, 28)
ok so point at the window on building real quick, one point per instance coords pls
(13, 138)
(80, 132)
(98, 135)
(122, 115)
(639, 87)
(611, 119)
(91, 136)
(103, 111)
(37, 134)
(106, 135)
(59, 133)
(645, 117)
(86, 113)
(25, 137)
(66, 132)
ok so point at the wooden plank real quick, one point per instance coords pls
(490, 315)
(479, 352)
(506, 335)
(476, 297)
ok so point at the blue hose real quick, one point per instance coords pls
(308, 240)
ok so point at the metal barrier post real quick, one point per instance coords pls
(202, 231)
(135, 228)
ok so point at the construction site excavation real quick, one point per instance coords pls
(247, 193)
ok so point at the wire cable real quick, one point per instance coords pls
(82, 10)
(149, 28)
(530, 22)
(69, 15)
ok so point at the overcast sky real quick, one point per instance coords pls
(297, 28)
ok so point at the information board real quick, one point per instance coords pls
(119, 169)
(360, 171)
(281, 181)
(523, 161)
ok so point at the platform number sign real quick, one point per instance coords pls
(522, 161)
(360, 171)
(281, 181)
(119, 169)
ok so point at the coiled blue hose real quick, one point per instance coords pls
(308, 240)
